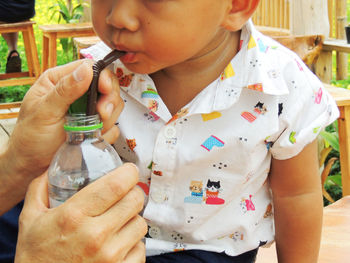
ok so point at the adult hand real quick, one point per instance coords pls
(39, 129)
(100, 223)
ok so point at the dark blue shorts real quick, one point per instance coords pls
(12, 11)
(201, 256)
(8, 234)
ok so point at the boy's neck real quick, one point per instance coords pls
(179, 84)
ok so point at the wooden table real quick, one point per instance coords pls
(342, 97)
(85, 42)
(335, 242)
(52, 32)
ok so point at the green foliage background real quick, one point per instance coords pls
(42, 16)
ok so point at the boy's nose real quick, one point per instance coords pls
(124, 15)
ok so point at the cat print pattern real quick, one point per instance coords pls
(211, 197)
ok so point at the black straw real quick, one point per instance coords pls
(97, 68)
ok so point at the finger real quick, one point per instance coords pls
(69, 88)
(111, 135)
(37, 197)
(108, 82)
(100, 195)
(110, 104)
(137, 254)
(110, 121)
(57, 73)
(127, 238)
(124, 210)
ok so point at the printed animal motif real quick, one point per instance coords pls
(247, 204)
(237, 236)
(153, 106)
(124, 80)
(259, 109)
(196, 189)
(212, 193)
(179, 114)
(268, 211)
(211, 142)
(131, 143)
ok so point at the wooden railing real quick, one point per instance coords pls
(273, 13)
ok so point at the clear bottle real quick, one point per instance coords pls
(82, 159)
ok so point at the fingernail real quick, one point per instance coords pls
(109, 109)
(79, 72)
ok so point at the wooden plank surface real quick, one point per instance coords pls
(66, 27)
(335, 242)
(6, 128)
(17, 25)
(340, 95)
(339, 45)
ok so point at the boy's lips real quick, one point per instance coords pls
(129, 57)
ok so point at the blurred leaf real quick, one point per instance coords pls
(324, 154)
(331, 138)
(336, 179)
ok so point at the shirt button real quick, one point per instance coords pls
(159, 196)
(154, 232)
(170, 132)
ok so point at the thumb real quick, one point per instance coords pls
(69, 88)
(37, 197)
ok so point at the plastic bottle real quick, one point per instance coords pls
(82, 159)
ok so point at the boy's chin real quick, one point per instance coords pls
(138, 68)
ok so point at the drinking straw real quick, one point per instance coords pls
(97, 68)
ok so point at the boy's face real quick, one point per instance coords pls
(159, 33)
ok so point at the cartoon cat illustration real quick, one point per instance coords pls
(268, 211)
(236, 236)
(212, 193)
(131, 143)
(247, 204)
(259, 109)
(196, 188)
(179, 114)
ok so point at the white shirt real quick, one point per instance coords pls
(204, 170)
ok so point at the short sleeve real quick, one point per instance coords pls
(303, 113)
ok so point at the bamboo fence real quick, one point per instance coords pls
(276, 13)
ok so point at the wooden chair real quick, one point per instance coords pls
(307, 47)
(28, 77)
(9, 110)
(52, 32)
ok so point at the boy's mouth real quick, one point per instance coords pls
(129, 57)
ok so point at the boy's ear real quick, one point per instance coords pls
(239, 13)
